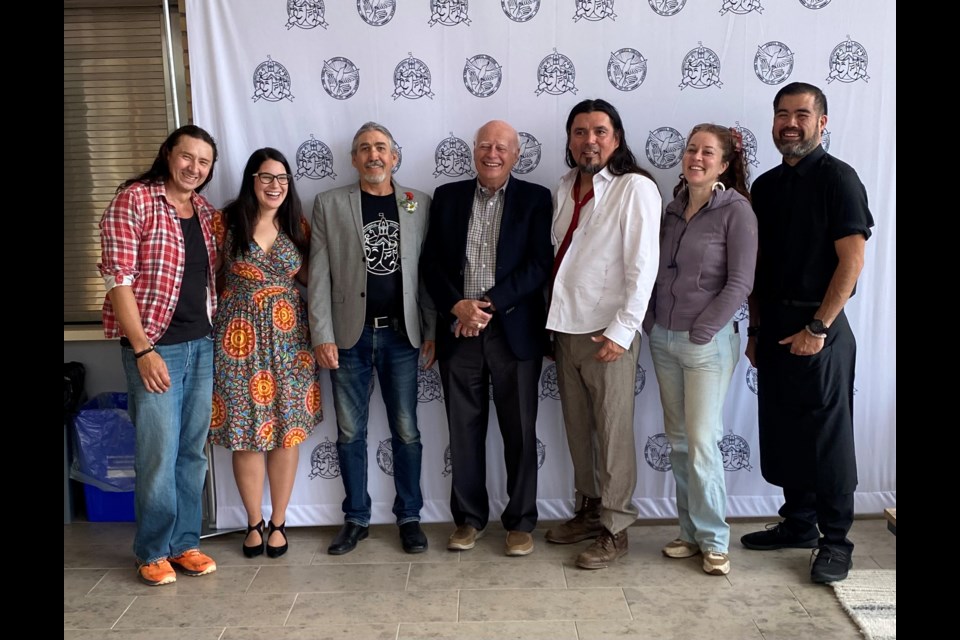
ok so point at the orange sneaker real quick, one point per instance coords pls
(156, 573)
(194, 563)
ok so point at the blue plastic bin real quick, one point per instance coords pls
(108, 506)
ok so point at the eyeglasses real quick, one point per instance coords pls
(267, 178)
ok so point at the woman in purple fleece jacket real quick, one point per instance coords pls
(708, 251)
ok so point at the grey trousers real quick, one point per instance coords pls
(597, 401)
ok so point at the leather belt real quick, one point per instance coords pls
(801, 303)
(385, 322)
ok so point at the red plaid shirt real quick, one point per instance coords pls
(142, 247)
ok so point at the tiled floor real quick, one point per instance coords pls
(379, 592)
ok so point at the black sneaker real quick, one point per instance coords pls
(830, 565)
(776, 536)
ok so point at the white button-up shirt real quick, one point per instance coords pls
(608, 272)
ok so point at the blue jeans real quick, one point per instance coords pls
(171, 467)
(396, 362)
(693, 383)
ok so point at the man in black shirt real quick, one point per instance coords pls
(813, 225)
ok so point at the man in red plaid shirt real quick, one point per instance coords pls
(159, 263)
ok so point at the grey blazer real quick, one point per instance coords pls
(338, 269)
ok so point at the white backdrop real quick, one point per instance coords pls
(303, 75)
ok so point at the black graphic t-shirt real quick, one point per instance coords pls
(190, 318)
(381, 246)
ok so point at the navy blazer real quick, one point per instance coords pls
(524, 262)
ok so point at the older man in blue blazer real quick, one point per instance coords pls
(368, 311)
(486, 264)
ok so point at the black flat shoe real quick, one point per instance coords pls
(412, 537)
(257, 549)
(347, 538)
(276, 552)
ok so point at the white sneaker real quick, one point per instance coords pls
(680, 549)
(716, 563)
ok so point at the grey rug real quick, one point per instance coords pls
(870, 597)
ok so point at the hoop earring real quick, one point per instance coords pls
(719, 186)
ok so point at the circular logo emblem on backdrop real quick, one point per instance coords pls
(447, 462)
(740, 7)
(556, 75)
(640, 381)
(700, 69)
(385, 457)
(657, 452)
(665, 147)
(594, 10)
(399, 151)
(305, 14)
(825, 140)
(541, 453)
(520, 10)
(742, 312)
(428, 385)
(376, 13)
(752, 379)
(749, 142)
(814, 4)
(314, 160)
(411, 79)
(736, 452)
(626, 69)
(271, 82)
(324, 461)
(340, 78)
(530, 153)
(482, 75)
(453, 158)
(773, 62)
(848, 62)
(549, 388)
(667, 8)
(449, 13)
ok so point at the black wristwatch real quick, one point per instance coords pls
(817, 328)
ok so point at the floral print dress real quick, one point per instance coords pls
(266, 393)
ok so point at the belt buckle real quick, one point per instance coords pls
(382, 322)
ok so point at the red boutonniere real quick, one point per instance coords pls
(407, 201)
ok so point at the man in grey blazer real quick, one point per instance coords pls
(369, 311)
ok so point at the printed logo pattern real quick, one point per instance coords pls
(626, 69)
(449, 13)
(520, 10)
(530, 153)
(736, 452)
(740, 7)
(749, 145)
(814, 4)
(482, 75)
(271, 82)
(825, 140)
(594, 10)
(381, 246)
(549, 387)
(305, 14)
(385, 457)
(556, 75)
(700, 69)
(640, 381)
(376, 13)
(656, 452)
(752, 379)
(667, 8)
(429, 388)
(665, 147)
(411, 79)
(453, 158)
(314, 160)
(340, 78)
(773, 62)
(848, 62)
(324, 461)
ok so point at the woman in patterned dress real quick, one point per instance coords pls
(266, 396)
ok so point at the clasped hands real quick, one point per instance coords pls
(471, 318)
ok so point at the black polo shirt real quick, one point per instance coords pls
(801, 211)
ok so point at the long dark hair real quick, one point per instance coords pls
(160, 170)
(241, 213)
(622, 160)
(731, 149)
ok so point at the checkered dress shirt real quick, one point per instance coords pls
(141, 245)
(482, 235)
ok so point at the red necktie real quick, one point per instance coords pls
(577, 205)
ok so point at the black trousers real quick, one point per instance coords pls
(803, 511)
(466, 373)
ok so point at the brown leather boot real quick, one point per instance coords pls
(583, 526)
(604, 551)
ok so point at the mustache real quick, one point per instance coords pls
(374, 163)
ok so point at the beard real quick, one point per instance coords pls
(589, 168)
(375, 178)
(797, 149)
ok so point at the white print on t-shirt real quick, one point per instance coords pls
(381, 245)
